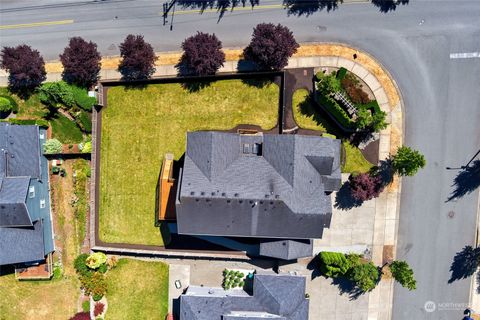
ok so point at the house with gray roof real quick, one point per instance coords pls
(258, 185)
(26, 235)
(280, 297)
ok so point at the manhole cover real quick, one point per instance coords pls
(451, 214)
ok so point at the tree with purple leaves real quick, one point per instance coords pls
(26, 68)
(271, 46)
(138, 58)
(202, 55)
(365, 186)
(81, 62)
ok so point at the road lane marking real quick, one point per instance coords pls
(464, 55)
(35, 24)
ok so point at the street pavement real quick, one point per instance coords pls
(441, 98)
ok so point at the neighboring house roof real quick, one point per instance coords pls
(21, 244)
(25, 225)
(255, 185)
(274, 296)
(286, 249)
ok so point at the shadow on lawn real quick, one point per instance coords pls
(465, 263)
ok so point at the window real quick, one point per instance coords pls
(42, 203)
(31, 192)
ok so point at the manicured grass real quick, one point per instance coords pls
(65, 130)
(140, 125)
(31, 108)
(304, 112)
(54, 299)
(355, 161)
(137, 290)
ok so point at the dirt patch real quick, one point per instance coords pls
(64, 221)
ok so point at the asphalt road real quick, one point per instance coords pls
(441, 96)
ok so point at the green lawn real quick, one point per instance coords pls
(65, 130)
(355, 161)
(140, 125)
(137, 290)
(31, 108)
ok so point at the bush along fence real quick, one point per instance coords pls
(341, 95)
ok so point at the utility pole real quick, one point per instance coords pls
(167, 6)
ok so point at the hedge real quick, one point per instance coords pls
(341, 73)
(335, 110)
(28, 122)
(82, 99)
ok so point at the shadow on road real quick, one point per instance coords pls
(467, 181)
(388, 5)
(306, 8)
(464, 264)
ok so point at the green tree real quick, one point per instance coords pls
(402, 272)
(57, 94)
(368, 121)
(365, 276)
(407, 161)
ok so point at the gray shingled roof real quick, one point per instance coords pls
(25, 225)
(279, 295)
(286, 249)
(19, 245)
(228, 189)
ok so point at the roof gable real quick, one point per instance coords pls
(13, 209)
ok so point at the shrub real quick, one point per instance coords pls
(12, 102)
(402, 273)
(95, 260)
(341, 73)
(52, 146)
(138, 58)
(87, 148)
(98, 310)
(26, 68)
(84, 121)
(271, 46)
(86, 306)
(5, 105)
(407, 161)
(333, 264)
(369, 120)
(354, 90)
(81, 316)
(94, 284)
(103, 268)
(328, 84)
(112, 262)
(97, 297)
(335, 110)
(56, 94)
(81, 62)
(365, 276)
(365, 186)
(80, 264)
(202, 54)
(82, 99)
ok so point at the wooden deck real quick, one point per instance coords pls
(43, 271)
(166, 199)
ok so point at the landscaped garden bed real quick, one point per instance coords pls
(139, 126)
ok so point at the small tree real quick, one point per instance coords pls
(333, 264)
(98, 309)
(81, 62)
(407, 161)
(26, 68)
(365, 186)
(365, 276)
(271, 46)
(402, 272)
(138, 58)
(202, 54)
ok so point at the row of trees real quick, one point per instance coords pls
(269, 49)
